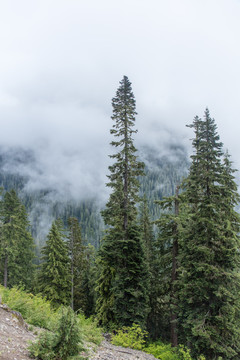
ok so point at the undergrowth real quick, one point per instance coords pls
(135, 338)
(37, 311)
(64, 343)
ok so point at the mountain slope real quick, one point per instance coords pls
(46, 204)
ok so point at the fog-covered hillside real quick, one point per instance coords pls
(44, 205)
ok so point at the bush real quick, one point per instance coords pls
(166, 352)
(35, 310)
(162, 351)
(133, 337)
(38, 311)
(91, 332)
(64, 343)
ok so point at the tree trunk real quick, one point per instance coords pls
(174, 336)
(5, 271)
(72, 290)
(72, 277)
(125, 224)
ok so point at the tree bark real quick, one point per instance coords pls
(5, 271)
(174, 336)
(125, 225)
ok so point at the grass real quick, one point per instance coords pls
(37, 311)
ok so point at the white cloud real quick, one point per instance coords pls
(61, 62)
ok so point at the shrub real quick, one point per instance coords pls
(166, 352)
(91, 332)
(133, 337)
(162, 351)
(35, 310)
(64, 343)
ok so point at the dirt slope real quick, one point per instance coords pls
(14, 336)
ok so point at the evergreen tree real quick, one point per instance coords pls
(146, 228)
(169, 226)
(16, 243)
(153, 324)
(122, 283)
(81, 270)
(89, 281)
(54, 278)
(76, 252)
(209, 258)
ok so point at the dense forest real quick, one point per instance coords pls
(161, 176)
(163, 252)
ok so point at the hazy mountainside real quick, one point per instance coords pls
(46, 204)
(163, 174)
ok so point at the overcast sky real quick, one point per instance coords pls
(61, 62)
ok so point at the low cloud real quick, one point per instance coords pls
(61, 64)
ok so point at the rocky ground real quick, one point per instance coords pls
(15, 337)
(107, 351)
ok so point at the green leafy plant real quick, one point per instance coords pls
(162, 351)
(63, 344)
(133, 337)
(90, 331)
(166, 352)
(35, 309)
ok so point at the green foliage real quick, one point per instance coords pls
(77, 263)
(122, 283)
(123, 275)
(82, 268)
(162, 351)
(124, 173)
(38, 311)
(16, 243)
(35, 310)
(133, 337)
(89, 281)
(43, 347)
(54, 280)
(105, 295)
(162, 175)
(209, 255)
(161, 170)
(159, 270)
(167, 352)
(167, 247)
(65, 342)
(90, 331)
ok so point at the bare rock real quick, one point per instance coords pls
(108, 351)
(14, 335)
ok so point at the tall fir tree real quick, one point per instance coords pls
(16, 244)
(169, 225)
(209, 258)
(54, 280)
(146, 228)
(81, 261)
(122, 283)
(152, 260)
(76, 254)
